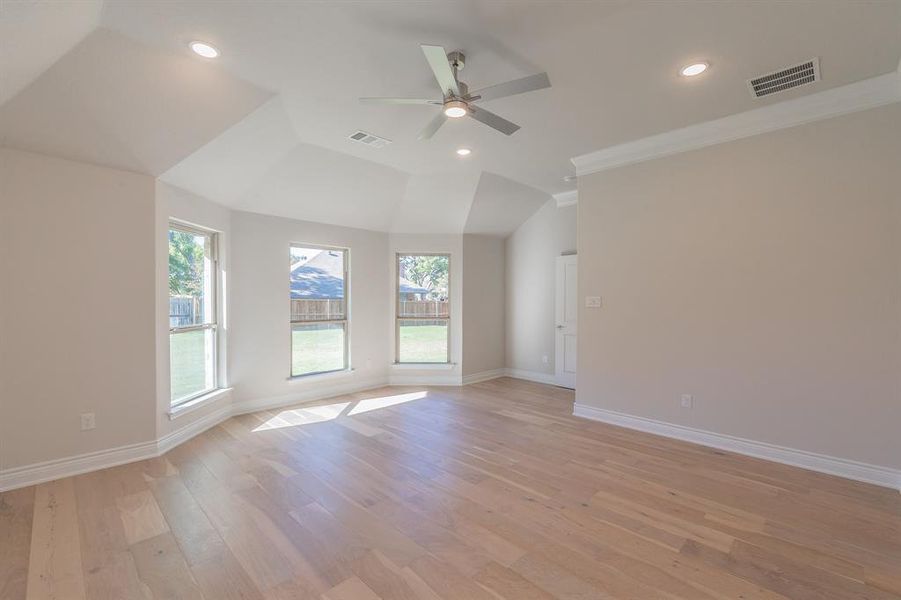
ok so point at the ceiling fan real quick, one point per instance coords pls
(457, 101)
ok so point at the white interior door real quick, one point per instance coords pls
(567, 311)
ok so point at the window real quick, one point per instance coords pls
(193, 267)
(318, 310)
(423, 303)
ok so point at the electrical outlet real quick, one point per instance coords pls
(593, 302)
(687, 400)
(544, 358)
(87, 421)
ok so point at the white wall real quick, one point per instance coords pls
(259, 315)
(411, 243)
(483, 303)
(173, 203)
(531, 253)
(89, 228)
(763, 276)
(94, 231)
(77, 326)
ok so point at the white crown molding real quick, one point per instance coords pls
(567, 198)
(822, 463)
(862, 95)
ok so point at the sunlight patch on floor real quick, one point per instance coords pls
(307, 415)
(369, 404)
(304, 416)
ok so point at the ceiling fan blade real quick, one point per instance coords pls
(492, 120)
(398, 101)
(434, 125)
(517, 86)
(437, 58)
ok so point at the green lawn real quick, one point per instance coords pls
(316, 350)
(423, 343)
(312, 351)
(187, 364)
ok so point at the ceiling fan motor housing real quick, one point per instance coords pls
(457, 59)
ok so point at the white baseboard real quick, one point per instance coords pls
(483, 376)
(535, 376)
(75, 465)
(33, 474)
(412, 379)
(66, 467)
(878, 475)
(103, 459)
(183, 434)
(316, 392)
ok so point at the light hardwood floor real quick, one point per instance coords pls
(488, 491)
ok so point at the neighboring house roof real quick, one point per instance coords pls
(322, 277)
(408, 287)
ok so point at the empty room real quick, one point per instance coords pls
(450, 299)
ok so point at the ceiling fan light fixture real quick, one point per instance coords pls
(455, 109)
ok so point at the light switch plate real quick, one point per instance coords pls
(592, 301)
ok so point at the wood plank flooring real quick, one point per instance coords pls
(488, 491)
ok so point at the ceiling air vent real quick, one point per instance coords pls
(369, 139)
(790, 77)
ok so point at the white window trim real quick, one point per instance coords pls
(322, 375)
(195, 404)
(408, 366)
(176, 407)
(347, 368)
(397, 318)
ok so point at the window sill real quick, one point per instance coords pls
(197, 403)
(318, 376)
(424, 366)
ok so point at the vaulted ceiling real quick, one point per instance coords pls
(265, 127)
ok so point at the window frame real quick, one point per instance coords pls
(345, 321)
(212, 238)
(398, 318)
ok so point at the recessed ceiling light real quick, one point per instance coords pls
(464, 151)
(455, 109)
(694, 69)
(205, 50)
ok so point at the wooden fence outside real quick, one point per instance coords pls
(422, 308)
(182, 310)
(304, 309)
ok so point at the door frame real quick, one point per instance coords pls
(562, 327)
